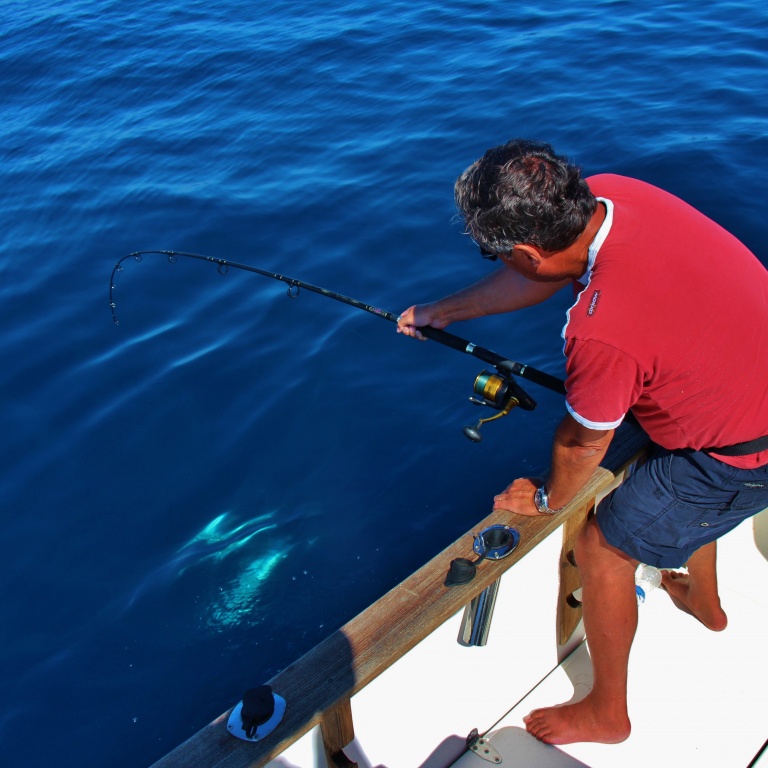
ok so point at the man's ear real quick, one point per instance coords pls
(531, 254)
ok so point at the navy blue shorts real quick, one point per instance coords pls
(677, 502)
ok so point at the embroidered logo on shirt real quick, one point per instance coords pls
(592, 308)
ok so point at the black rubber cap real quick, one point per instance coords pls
(258, 707)
(462, 571)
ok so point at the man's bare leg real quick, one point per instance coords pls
(696, 592)
(610, 620)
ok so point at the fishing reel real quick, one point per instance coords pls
(500, 392)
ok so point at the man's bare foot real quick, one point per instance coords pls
(581, 721)
(704, 607)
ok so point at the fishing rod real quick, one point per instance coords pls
(498, 391)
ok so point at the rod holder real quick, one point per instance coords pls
(476, 622)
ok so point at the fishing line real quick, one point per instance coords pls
(498, 390)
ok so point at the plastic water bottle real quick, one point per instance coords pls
(646, 578)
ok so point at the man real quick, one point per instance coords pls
(671, 322)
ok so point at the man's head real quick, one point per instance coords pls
(523, 193)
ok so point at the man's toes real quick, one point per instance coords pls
(536, 724)
(673, 579)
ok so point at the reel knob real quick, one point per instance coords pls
(500, 393)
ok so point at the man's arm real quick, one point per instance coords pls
(576, 453)
(501, 291)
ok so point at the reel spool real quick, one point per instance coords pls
(494, 390)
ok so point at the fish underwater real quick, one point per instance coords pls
(216, 541)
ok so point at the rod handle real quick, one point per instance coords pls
(445, 338)
(541, 378)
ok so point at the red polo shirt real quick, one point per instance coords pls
(671, 321)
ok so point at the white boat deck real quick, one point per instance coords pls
(697, 698)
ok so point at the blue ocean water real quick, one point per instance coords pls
(195, 497)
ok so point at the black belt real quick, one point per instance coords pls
(742, 449)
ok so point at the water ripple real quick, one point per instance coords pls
(320, 141)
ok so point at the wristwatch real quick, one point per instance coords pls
(541, 500)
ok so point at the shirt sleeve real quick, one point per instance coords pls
(602, 383)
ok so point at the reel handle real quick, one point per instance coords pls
(500, 392)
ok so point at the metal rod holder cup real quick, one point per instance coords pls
(476, 622)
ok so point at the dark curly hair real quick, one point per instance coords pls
(522, 192)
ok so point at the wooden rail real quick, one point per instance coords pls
(317, 687)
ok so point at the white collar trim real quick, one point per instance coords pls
(599, 239)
